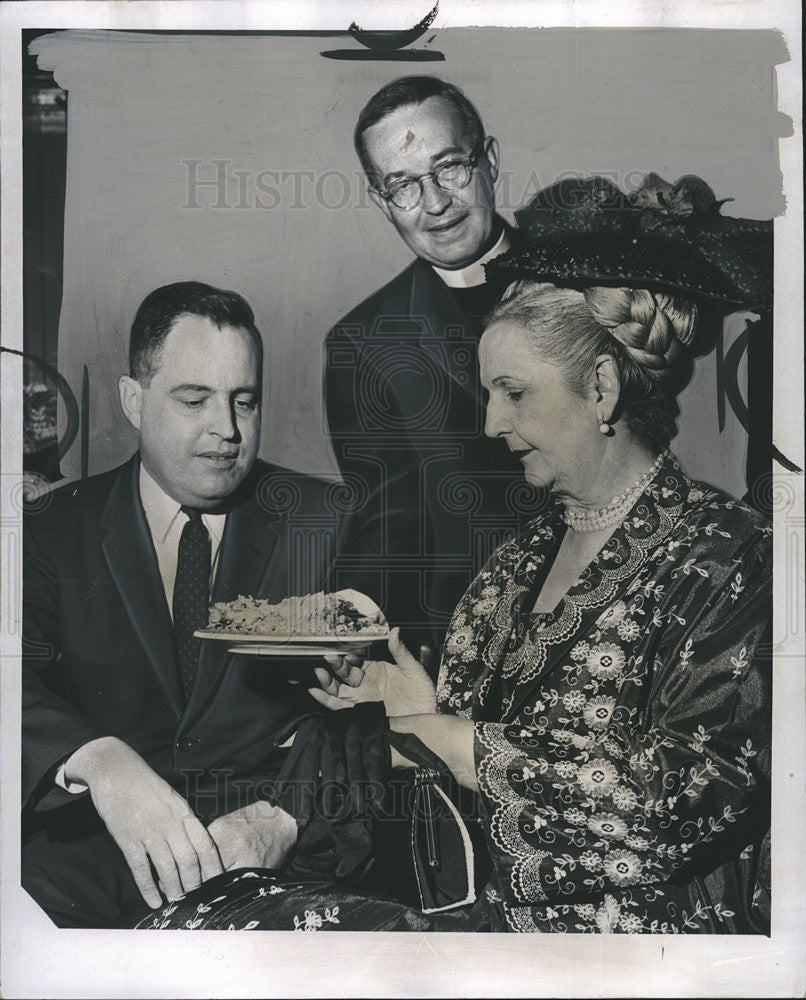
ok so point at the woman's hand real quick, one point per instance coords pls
(403, 686)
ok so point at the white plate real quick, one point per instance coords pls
(291, 645)
(296, 649)
(255, 644)
(255, 639)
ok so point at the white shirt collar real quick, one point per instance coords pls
(162, 511)
(472, 274)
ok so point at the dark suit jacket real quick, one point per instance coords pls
(431, 496)
(99, 651)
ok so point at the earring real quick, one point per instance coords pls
(604, 427)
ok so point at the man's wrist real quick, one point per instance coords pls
(83, 765)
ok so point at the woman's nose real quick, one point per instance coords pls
(494, 423)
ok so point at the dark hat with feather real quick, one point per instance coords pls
(663, 237)
(669, 237)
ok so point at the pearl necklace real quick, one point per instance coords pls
(582, 519)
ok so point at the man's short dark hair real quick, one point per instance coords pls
(415, 90)
(162, 308)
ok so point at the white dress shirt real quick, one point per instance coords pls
(165, 521)
(473, 274)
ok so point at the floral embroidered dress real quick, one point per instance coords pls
(622, 741)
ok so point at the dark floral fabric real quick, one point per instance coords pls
(263, 900)
(622, 741)
(249, 900)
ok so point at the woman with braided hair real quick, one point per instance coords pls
(605, 684)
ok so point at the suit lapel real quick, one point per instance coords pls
(250, 538)
(132, 561)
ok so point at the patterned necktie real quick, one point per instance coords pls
(191, 593)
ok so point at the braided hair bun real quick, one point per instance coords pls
(651, 326)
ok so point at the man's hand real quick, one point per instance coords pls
(256, 836)
(403, 686)
(150, 822)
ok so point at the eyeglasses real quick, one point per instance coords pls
(453, 175)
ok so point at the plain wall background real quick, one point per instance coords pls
(620, 102)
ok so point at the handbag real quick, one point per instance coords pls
(333, 782)
(440, 842)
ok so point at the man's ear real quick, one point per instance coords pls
(382, 203)
(131, 399)
(606, 387)
(491, 153)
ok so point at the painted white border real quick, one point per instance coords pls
(40, 961)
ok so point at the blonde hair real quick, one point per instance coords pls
(653, 327)
(647, 333)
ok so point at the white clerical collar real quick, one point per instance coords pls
(473, 274)
(161, 511)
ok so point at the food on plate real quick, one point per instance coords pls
(344, 613)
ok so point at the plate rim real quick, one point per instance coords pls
(285, 640)
(289, 652)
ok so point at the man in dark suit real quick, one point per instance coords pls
(431, 496)
(148, 755)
